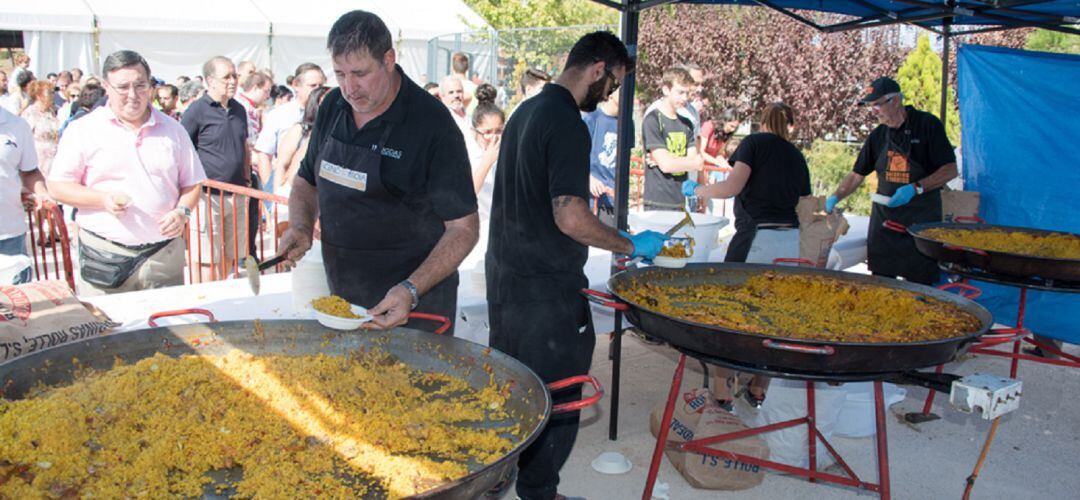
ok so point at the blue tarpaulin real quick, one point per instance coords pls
(1020, 119)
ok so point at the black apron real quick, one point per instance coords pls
(890, 253)
(371, 239)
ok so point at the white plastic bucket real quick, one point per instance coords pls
(856, 417)
(11, 266)
(309, 279)
(706, 230)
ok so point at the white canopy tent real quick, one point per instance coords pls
(176, 41)
(300, 35)
(57, 34)
(275, 34)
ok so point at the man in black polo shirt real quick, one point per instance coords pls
(913, 159)
(541, 228)
(217, 124)
(387, 175)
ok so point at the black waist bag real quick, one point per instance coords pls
(105, 269)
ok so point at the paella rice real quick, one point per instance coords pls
(1048, 245)
(334, 306)
(807, 307)
(359, 426)
(678, 249)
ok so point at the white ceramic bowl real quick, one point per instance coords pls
(339, 323)
(611, 462)
(672, 262)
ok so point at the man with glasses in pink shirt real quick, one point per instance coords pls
(133, 174)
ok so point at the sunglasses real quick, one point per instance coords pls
(614, 81)
(880, 103)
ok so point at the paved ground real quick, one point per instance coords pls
(1033, 456)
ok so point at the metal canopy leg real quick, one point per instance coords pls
(629, 29)
(665, 425)
(882, 442)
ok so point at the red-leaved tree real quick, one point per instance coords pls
(753, 56)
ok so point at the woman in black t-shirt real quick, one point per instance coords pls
(769, 176)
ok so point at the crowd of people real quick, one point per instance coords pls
(399, 179)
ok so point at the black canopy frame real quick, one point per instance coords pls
(978, 16)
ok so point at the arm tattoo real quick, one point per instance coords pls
(562, 201)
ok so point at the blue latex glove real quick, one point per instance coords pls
(646, 243)
(688, 188)
(830, 203)
(902, 196)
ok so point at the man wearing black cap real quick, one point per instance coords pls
(913, 160)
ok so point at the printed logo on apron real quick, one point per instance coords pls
(341, 176)
(898, 170)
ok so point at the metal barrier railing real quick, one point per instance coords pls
(50, 246)
(255, 235)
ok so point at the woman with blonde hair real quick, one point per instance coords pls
(294, 145)
(41, 115)
(769, 176)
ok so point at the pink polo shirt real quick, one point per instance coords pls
(151, 165)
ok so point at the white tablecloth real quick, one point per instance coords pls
(233, 300)
(228, 300)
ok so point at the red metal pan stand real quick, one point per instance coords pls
(703, 446)
(1017, 335)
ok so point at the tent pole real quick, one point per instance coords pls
(629, 23)
(946, 30)
(96, 54)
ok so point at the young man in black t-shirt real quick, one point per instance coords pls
(670, 143)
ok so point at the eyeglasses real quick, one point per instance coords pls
(614, 81)
(880, 103)
(138, 87)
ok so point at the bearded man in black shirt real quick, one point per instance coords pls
(541, 228)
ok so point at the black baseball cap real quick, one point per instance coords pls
(880, 88)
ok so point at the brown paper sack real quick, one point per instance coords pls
(44, 314)
(958, 204)
(818, 231)
(696, 415)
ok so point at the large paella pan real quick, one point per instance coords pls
(745, 343)
(1004, 250)
(255, 356)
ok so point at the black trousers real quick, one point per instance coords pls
(554, 338)
(255, 217)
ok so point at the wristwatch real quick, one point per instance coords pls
(408, 285)
(918, 188)
(184, 210)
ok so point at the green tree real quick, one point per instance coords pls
(920, 80)
(509, 14)
(829, 163)
(538, 33)
(1053, 41)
